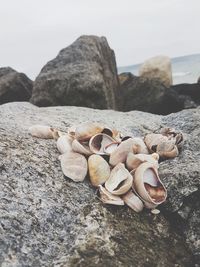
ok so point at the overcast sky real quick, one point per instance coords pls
(32, 32)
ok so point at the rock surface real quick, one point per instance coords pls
(14, 86)
(159, 68)
(47, 220)
(83, 74)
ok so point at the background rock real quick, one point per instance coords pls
(159, 68)
(151, 96)
(83, 74)
(198, 81)
(14, 86)
(47, 220)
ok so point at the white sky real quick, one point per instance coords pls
(32, 32)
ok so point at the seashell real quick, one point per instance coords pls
(121, 152)
(133, 161)
(81, 148)
(99, 142)
(152, 140)
(110, 148)
(167, 150)
(120, 180)
(112, 133)
(71, 131)
(64, 144)
(148, 185)
(86, 130)
(139, 146)
(74, 166)
(99, 170)
(107, 198)
(155, 211)
(56, 133)
(41, 131)
(133, 201)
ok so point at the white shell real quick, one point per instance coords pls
(86, 130)
(121, 152)
(107, 198)
(74, 166)
(155, 211)
(133, 161)
(120, 180)
(41, 131)
(81, 148)
(99, 170)
(64, 144)
(133, 201)
(139, 146)
(99, 142)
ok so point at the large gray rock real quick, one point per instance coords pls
(14, 86)
(159, 68)
(83, 74)
(47, 220)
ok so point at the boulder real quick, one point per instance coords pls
(14, 86)
(198, 81)
(159, 68)
(48, 220)
(148, 95)
(83, 74)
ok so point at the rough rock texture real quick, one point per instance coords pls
(14, 86)
(47, 220)
(83, 74)
(188, 94)
(147, 95)
(151, 96)
(159, 68)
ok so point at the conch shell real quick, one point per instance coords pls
(120, 180)
(107, 198)
(99, 170)
(64, 144)
(99, 142)
(42, 131)
(81, 148)
(133, 201)
(148, 185)
(74, 166)
(133, 161)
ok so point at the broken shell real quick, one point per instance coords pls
(99, 142)
(86, 130)
(133, 201)
(139, 146)
(107, 198)
(99, 170)
(110, 148)
(74, 166)
(71, 131)
(155, 211)
(121, 152)
(167, 150)
(64, 144)
(148, 185)
(56, 133)
(152, 140)
(41, 131)
(81, 148)
(120, 180)
(133, 161)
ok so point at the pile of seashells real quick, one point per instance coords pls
(123, 168)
